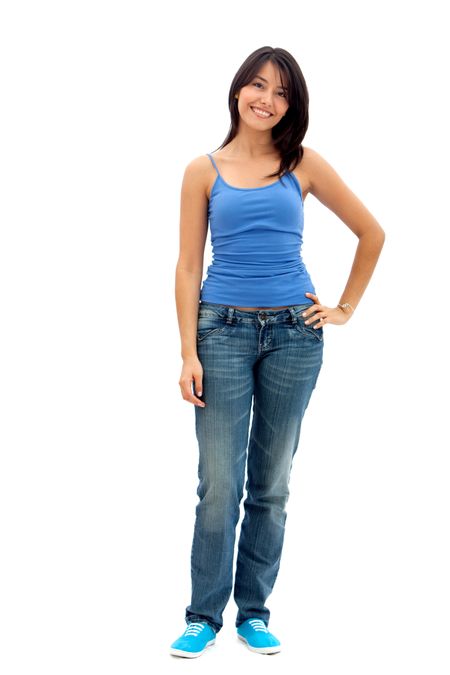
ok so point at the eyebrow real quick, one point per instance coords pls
(264, 80)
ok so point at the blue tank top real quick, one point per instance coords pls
(256, 238)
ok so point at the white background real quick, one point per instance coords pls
(102, 106)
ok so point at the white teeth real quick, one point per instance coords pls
(259, 112)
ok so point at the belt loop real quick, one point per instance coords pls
(230, 315)
(293, 316)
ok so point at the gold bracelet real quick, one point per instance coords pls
(346, 304)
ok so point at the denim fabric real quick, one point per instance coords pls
(268, 359)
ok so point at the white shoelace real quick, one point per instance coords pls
(258, 624)
(194, 628)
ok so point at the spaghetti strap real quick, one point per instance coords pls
(214, 164)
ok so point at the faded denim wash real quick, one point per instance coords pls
(266, 362)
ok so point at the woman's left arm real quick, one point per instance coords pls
(329, 188)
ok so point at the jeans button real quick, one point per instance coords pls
(263, 315)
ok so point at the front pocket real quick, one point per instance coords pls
(317, 333)
(209, 324)
(203, 333)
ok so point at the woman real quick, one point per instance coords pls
(256, 337)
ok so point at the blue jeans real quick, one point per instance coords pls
(272, 359)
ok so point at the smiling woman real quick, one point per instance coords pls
(252, 335)
(265, 96)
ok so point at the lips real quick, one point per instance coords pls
(268, 113)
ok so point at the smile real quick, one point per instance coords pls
(260, 113)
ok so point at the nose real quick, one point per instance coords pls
(266, 101)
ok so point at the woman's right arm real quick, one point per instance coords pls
(189, 272)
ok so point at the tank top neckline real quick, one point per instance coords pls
(260, 187)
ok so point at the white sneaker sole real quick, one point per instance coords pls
(190, 655)
(261, 650)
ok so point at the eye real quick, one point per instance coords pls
(255, 84)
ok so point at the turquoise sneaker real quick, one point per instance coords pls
(256, 635)
(195, 639)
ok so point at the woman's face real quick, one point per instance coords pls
(265, 92)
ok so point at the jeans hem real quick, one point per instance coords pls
(198, 618)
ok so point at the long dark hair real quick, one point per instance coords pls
(290, 131)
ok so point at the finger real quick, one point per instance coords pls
(314, 308)
(188, 395)
(320, 323)
(309, 310)
(322, 319)
(316, 320)
(311, 314)
(197, 387)
(197, 379)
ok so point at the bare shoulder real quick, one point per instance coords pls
(193, 217)
(324, 181)
(310, 163)
(197, 174)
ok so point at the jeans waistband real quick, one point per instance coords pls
(268, 315)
